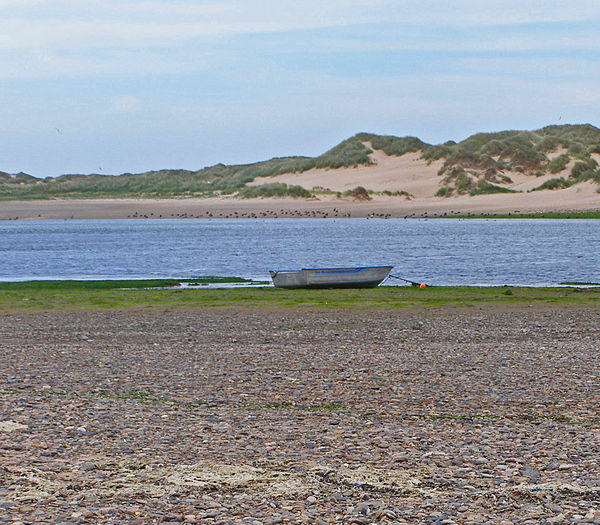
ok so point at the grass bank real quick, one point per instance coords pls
(68, 295)
(540, 215)
(117, 284)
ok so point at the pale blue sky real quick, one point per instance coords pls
(128, 85)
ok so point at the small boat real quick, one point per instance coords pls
(356, 277)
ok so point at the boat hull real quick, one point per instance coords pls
(355, 277)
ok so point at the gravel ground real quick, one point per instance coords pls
(480, 415)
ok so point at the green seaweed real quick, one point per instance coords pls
(116, 284)
(73, 297)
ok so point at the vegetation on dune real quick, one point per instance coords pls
(485, 188)
(17, 178)
(562, 183)
(569, 133)
(583, 171)
(554, 184)
(397, 193)
(359, 194)
(350, 152)
(559, 163)
(486, 156)
(215, 180)
(274, 189)
(431, 153)
(391, 145)
(480, 157)
(219, 179)
(445, 191)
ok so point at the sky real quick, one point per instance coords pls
(134, 85)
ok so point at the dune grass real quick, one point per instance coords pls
(485, 188)
(558, 183)
(274, 189)
(56, 295)
(487, 155)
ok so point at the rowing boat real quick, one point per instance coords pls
(355, 277)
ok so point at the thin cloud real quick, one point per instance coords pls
(117, 23)
(125, 104)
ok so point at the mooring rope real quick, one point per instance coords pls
(413, 283)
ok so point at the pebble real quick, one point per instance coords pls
(532, 474)
(482, 415)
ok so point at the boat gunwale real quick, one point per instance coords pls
(334, 268)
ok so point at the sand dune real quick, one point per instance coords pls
(417, 177)
(406, 173)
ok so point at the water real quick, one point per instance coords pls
(435, 251)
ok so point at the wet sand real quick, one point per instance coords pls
(454, 415)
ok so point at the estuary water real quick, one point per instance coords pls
(534, 252)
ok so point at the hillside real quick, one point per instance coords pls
(553, 157)
(478, 163)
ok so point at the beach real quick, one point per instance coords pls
(483, 414)
(581, 198)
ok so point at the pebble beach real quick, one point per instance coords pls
(450, 415)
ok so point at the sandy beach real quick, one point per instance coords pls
(575, 199)
(234, 416)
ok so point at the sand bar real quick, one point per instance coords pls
(582, 197)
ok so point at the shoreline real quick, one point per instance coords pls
(327, 207)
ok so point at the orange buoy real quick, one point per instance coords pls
(422, 285)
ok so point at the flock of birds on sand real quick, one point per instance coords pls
(310, 214)
(271, 214)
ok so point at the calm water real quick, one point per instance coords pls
(443, 251)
